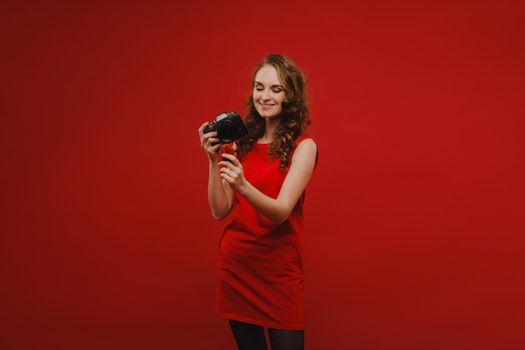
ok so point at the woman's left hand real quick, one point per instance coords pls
(232, 172)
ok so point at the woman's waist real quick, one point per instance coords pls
(272, 244)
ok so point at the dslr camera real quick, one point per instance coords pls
(229, 127)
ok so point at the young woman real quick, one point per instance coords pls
(258, 194)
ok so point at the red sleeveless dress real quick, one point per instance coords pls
(260, 265)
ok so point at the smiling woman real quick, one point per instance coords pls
(259, 195)
(268, 93)
(278, 111)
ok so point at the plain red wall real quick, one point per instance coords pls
(414, 216)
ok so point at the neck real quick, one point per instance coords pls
(271, 126)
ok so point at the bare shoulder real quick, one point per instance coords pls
(308, 143)
(307, 146)
(306, 150)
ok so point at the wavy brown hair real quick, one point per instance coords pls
(294, 118)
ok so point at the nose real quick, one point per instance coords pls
(266, 95)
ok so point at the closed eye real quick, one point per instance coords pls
(274, 90)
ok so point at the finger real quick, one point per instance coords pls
(214, 145)
(207, 141)
(202, 127)
(233, 173)
(210, 134)
(228, 172)
(234, 159)
(227, 178)
(213, 149)
(228, 165)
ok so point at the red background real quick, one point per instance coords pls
(414, 216)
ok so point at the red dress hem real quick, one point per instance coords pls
(241, 318)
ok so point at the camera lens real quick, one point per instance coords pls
(227, 132)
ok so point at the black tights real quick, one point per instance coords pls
(251, 337)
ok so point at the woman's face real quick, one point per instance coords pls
(268, 92)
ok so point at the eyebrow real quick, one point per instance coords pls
(276, 85)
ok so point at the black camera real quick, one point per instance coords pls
(229, 127)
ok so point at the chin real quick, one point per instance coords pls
(266, 114)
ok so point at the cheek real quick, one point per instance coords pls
(254, 100)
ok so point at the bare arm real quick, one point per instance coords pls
(220, 194)
(278, 209)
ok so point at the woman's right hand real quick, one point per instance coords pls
(207, 140)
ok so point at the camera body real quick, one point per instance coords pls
(229, 127)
